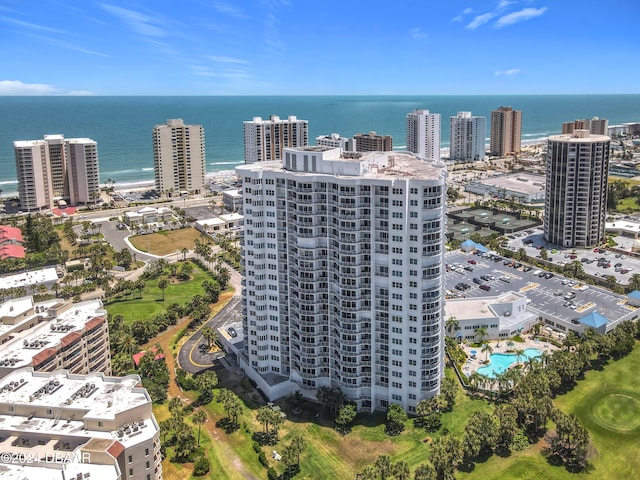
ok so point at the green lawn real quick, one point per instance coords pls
(151, 303)
(608, 404)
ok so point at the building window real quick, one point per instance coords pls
(130, 458)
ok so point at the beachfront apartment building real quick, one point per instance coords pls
(73, 426)
(372, 142)
(336, 141)
(595, 125)
(343, 259)
(265, 139)
(179, 158)
(506, 132)
(423, 134)
(53, 335)
(54, 169)
(466, 137)
(575, 207)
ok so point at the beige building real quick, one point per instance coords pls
(96, 426)
(53, 335)
(265, 139)
(372, 142)
(55, 169)
(506, 132)
(179, 158)
(595, 125)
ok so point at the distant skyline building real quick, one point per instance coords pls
(467, 135)
(56, 169)
(506, 132)
(423, 134)
(343, 258)
(179, 158)
(576, 189)
(336, 141)
(372, 142)
(595, 126)
(265, 139)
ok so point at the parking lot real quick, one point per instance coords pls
(599, 263)
(552, 295)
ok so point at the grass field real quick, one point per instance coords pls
(151, 303)
(166, 241)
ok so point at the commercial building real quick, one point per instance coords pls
(56, 169)
(576, 189)
(88, 426)
(519, 187)
(423, 134)
(506, 132)
(179, 158)
(595, 126)
(343, 265)
(336, 141)
(372, 142)
(53, 335)
(265, 139)
(466, 137)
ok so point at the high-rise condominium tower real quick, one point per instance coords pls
(506, 131)
(55, 169)
(372, 142)
(595, 125)
(467, 134)
(179, 158)
(343, 263)
(423, 134)
(576, 189)
(265, 139)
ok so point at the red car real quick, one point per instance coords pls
(472, 262)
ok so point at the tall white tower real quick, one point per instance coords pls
(467, 134)
(423, 134)
(343, 258)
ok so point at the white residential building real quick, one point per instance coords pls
(265, 139)
(102, 426)
(55, 169)
(575, 207)
(423, 134)
(343, 259)
(467, 136)
(336, 141)
(179, 158)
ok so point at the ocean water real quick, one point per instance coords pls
(122, 126)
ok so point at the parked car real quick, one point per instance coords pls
(468, 268)
(477, 280)
(485, 287)
(471, 261)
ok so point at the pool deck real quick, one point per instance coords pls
(501, 347)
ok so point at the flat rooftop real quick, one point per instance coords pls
(27, 279)
(522, 182)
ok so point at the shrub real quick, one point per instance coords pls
(262, 458)
(256, 447)
(201, 466)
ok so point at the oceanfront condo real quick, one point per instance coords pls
(372, 142)
(55, 169)
(423, 134)
(265, 139)
(179, 158)
(506, 132)
(467, 134)
(575, 206)
(595, 125)
(343, 257)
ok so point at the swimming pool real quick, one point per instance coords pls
(499, 362)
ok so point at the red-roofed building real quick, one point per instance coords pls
(11, 251)
(138, 356)
(10, 235)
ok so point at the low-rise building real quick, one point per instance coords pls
(43, 276)
(519, 187)
(102, 426)
(232, 200)
(148, 215)
(502, 316)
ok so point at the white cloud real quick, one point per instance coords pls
(511, 71)
(222, 59)
(467, 11)
(479, 20)
(504, 3)
(16, 87)
(417, 33)
(229, 10)
(80, 93)
(520, 16)
(140, 23)
(29, 26)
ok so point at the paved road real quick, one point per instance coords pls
(190, 358)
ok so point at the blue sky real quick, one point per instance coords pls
(323, 47)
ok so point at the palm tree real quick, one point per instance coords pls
(209, 334)
(452, 325)
(475, 378)
(199, 418)
(162, 284)
(298, 443)
(487, 349)
(482, 333)
(634, 281)
(519, 354)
